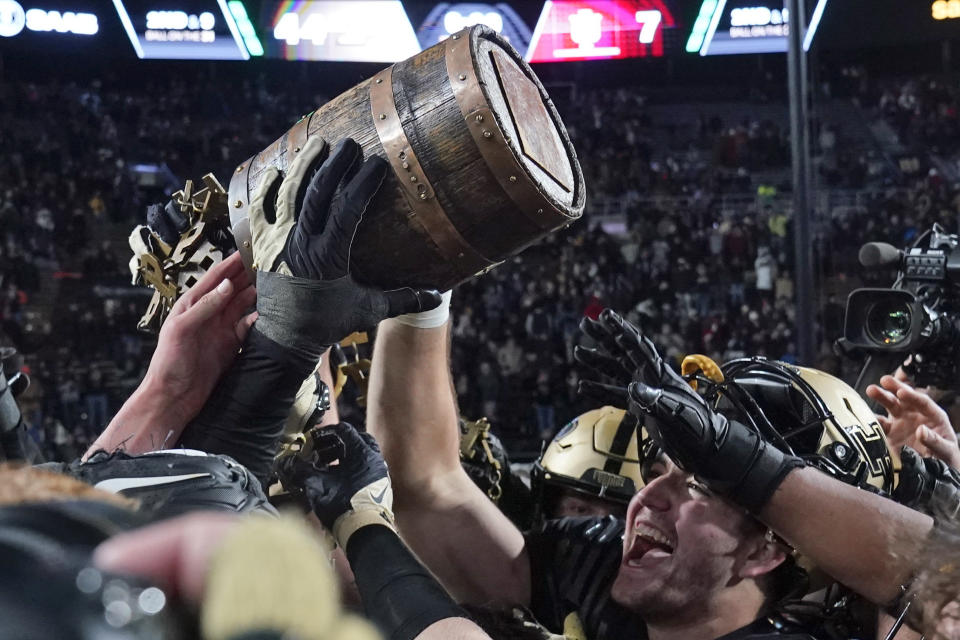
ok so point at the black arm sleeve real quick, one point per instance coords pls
(399, 594)
(245, 413)
(573, 563)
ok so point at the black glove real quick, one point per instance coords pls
(320, 302)
(349, 495)
(729, 457)
(928, 485)
(167, 222)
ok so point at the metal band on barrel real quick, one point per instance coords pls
(416, 186)
(240, 190)
(239, 202)
(489, 136)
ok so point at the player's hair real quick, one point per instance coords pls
(23, 484)
(935, 592)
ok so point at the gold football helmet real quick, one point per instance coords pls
(597, 454)
(811, 414)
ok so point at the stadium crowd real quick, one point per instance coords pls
(701, 277)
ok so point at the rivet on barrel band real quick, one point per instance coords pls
(492, 140)
(419, 193)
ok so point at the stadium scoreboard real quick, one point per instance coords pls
(185, 29)
(339, 30)
(748, 26)
(25, 18)
(385, 31)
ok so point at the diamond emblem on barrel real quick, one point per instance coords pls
(539, 140)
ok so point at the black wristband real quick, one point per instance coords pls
(399, 595)
(289, 313)
(764, 476)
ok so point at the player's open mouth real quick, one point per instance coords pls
(646, 539)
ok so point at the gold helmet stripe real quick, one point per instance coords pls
(621, 440)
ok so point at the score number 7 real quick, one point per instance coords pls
(650, 21)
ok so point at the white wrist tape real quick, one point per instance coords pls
(429, 319)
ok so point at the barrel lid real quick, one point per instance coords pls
(515, 125)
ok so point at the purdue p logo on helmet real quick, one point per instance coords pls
(813, 415)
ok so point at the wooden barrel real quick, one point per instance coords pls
(481, 163)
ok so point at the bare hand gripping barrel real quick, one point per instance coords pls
(482, 164)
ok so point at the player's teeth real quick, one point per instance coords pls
(648, 532)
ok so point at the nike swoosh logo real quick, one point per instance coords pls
(379, 499)
(116, 485)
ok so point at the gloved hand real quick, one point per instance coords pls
(928, 485)
(13, 433)
(306, 297)
(352, 494)
(727, 456)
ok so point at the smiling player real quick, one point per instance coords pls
(692, 565)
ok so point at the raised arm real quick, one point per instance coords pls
(197, 343)
(449, 523)
(863, 540)
(354, 500)
(915, 420)
(307, 298)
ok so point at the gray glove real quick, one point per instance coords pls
(13, 432)
(307, 298)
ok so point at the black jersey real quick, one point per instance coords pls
(573, 563)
